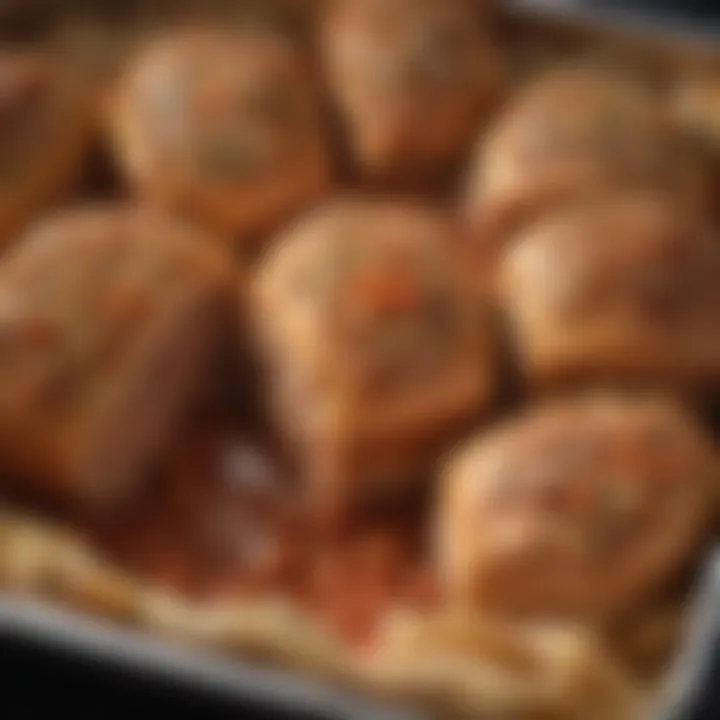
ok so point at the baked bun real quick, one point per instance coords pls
(46, 121)
(579, 508)
(697, 112)
(373, 344)
(412, 80)
(697, 108)
(109, 319)
(571, 133)
(618, 289)
(222, 125)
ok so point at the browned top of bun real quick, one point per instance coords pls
(412, 79)
(623, 287)
(369, 298)
(223, 124)
(579, 507)
(82, 286)
(571, 133)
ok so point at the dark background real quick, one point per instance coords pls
(40, 682)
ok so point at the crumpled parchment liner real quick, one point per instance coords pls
(458, 667)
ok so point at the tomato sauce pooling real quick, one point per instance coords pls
(222, 520)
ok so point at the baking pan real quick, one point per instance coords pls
(53, 658)
(691, 18)
(85, 659)
(693, 692)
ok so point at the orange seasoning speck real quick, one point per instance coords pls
(388, 293)
(40, 331)
(128, 306)
(210, 104)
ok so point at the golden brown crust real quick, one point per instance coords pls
(46, 122)
(222, 125)
(375, 345)
(697, 107)
(109, 316)
(572, 133)
(647, 640)
(412, 79)
(696, 110)
(582, 507)
(623, 289)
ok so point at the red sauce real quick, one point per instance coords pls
(223, 520)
